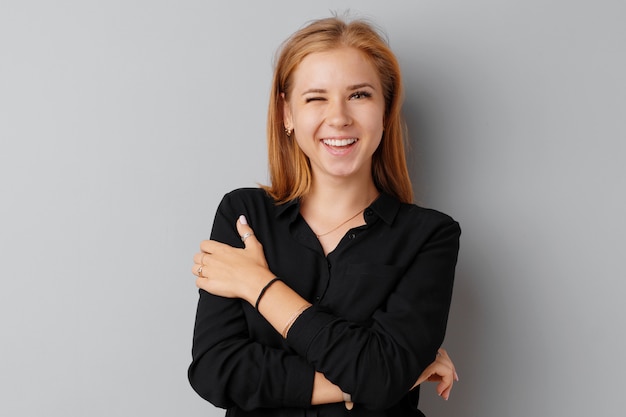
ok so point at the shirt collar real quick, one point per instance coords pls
(292, 206)
(385, 206)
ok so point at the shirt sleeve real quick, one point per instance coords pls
(229, 368)
(378, 363)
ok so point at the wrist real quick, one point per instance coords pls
(253, 290)
(263, 290)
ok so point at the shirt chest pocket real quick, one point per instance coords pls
(363, 288)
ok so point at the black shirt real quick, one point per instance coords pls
(380, 306)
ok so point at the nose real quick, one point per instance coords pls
(337, 114)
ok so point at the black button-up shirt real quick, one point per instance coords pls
(380, 306)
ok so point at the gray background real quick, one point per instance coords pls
(122, 123)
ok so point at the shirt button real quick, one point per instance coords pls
(317, 298)
(329, 265)
(368, 212)
(351, 236)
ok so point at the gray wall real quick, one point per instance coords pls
(122, 123)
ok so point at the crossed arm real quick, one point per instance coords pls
(242, 273)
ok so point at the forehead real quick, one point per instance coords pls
(337, 67)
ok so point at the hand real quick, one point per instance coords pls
(232, 272)
(441, 370)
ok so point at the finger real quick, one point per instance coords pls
(425, 375)
(196, 269)
(444, 355)
(198, 258)
(202, 283)
(445, 386)
(245, 231)
(212, 246)
(419, 381)
(445, 394)
(444, 359)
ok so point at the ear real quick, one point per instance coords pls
(287, 117)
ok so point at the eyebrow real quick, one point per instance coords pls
(358, 86)
(349, 88)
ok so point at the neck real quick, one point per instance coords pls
(336, 200)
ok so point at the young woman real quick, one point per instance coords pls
(327, 292)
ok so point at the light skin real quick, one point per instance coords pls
(335, 110)
(336, 96)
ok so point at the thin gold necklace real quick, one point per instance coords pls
(341, 224)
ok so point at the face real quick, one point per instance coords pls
(336, 108)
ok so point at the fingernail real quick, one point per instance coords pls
(456, 376)
(243, 220)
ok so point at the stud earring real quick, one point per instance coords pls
(288, 132)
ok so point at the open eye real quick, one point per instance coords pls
(360, 94)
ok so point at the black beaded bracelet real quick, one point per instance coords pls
(269, 284)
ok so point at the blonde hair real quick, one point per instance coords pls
(289, 168)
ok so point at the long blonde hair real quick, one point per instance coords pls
(289, 168)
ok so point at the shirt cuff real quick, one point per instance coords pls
(307, 327)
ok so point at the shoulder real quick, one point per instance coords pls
(247, 200)
(426, 219)
(426, 214)
(401, 216)
(247, 197)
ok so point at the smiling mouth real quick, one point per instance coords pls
(338, 143)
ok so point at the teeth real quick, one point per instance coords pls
(339, 142)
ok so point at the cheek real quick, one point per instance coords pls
(376, 129)
(377, 142)
(374, 116)
(376, 123)
(305, 130)
(306, 146)
(304, 119)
